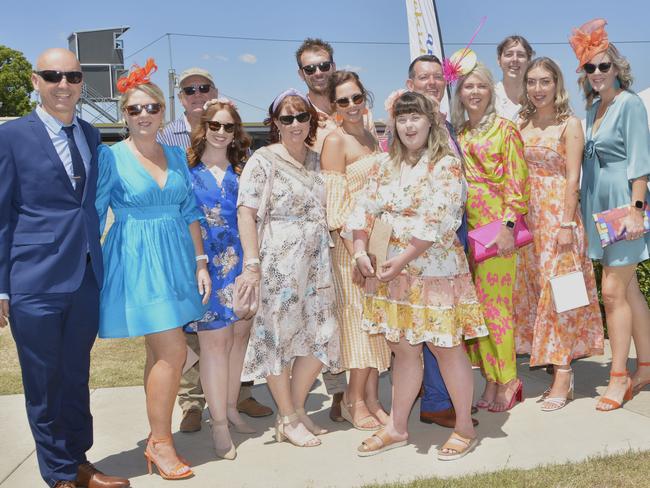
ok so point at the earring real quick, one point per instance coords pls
(365, 111)
(338, 119)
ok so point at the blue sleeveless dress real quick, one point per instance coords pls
(149, 280)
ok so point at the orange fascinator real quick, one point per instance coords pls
(588, 40)
(137, 76)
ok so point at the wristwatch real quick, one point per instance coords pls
(510, 224)
(639, 204)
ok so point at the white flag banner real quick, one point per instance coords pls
(424, 34)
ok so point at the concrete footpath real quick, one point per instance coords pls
(521, 438)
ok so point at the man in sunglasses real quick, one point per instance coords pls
(316, 64)
(51, 267)
(195, 87)
(425, 77)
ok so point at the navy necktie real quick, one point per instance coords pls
(77, 161)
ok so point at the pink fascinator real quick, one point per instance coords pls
(223, 101)
(390, 101)
(462, 61)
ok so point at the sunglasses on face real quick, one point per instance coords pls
(302, 117)
(53, 76)
(216, 127)
(191, 90)
(357, 99)
(590, 68)
(323, 67)
(151, 108)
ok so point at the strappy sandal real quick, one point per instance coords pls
(458, 445)
(614, 405)
(640, 386)
(180, 471)
(377, 443)
(310, 440)
(347, 412)
(551, 404)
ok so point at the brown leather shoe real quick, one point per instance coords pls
(65, 484)
(444, 418)
(88, 476)
(253, 408)
(335, 409)
(191, 422)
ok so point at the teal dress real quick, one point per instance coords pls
(617, 154)
(149, 262)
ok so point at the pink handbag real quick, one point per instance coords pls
(481, 236)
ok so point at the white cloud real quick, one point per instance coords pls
(220, 57)
(248, 58)
(349, 67)
(217, 57)
(205, 57)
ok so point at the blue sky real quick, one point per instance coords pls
(255, 71)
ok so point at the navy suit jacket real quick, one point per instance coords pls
(46, 229)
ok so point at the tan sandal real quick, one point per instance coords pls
(458, 445)
(369, 422)
(377, 443)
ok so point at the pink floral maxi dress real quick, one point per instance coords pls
(497, 178)
(549, 337)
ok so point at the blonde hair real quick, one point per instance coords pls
(150, 89)
(561, 102)
(438, 140)
(624, 76)
(458, 112)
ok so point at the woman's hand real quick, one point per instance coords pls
(250, 279)
(633, 224)
(365, 267)
(391, 268)
(204, 283)
(505, 242)
(565, 240)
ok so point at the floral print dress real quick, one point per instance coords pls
(296, 314)
(497, 178)
(434, 299)
(221, 244)
(549, 337)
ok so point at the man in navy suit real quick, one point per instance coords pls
(51, 268)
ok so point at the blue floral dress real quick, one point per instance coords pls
(150, 278)
(220, 242)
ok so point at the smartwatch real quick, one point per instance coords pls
(510, 224)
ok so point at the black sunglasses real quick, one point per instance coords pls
(191, 90)
(323, 67)
(590, 68)
(53, 76)
(302, 117)
(357, 99)
(151, 108)
(216, 126)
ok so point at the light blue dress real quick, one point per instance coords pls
(149, 280)
(617, 154)
(221, 243)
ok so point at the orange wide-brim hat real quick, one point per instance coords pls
(588, 40)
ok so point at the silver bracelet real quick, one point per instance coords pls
(202, 257)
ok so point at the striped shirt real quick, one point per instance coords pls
(176, 133)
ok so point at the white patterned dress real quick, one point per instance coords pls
(296, 314)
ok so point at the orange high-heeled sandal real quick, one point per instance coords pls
(613, 403)
(180, 471)
(640, 386)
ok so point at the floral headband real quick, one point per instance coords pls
(137, 76)
(223, 101)
(389, 104)
(588, 40)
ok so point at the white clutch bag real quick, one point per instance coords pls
(569, 290)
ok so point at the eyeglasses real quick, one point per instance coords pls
(53, 76)
(590, 68)
(357, 99)
(302, 117)
(323, 67)
(191, 90)
(151, 108)
(216, 126)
